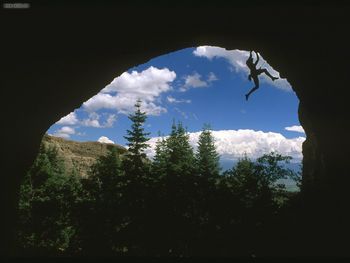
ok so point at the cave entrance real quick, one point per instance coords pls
(196, 86)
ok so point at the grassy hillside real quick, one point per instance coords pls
(79, 155)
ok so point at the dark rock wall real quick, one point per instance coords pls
(57, 56)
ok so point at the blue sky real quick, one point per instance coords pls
(196, 86)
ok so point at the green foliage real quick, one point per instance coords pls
(135, 162)
(100, 205)
(107, 175)
(207, 157)
(270, 169)
(180, 157)
(47, 199)
(176, 205)
(159, 164)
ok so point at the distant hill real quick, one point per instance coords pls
(79, 155)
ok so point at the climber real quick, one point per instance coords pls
(254, 73)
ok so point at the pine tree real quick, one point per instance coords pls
(271, 169)
(47, 198)
(207, 162)
(135, 162)
(180, 158)
(207, 157)
(104, 198)
(137, 170)
(107, 175)
(180, 189)
(246, 181)
(159, 164)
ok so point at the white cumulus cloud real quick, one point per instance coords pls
(104, 139)
(122, 93)
(70, 119)
(110, 121)
(94, 121)
(195, 81)
(64, 132)
(233, 144)
(237, 59)
(295, 128)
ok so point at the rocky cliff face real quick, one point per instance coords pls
(79, 155)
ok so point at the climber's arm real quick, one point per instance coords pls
(251, 54)
(257, 58)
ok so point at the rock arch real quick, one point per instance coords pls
(56, 57)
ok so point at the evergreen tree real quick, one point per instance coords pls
(103, 196)
(207, 157)
(246, 181)
(107, 175)
(121, 209)
(137, 190)
(204, 197)
(271, 169)
(136, 160)
(180, 189)
(47, 199)
(159, 164)
(180, 157)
